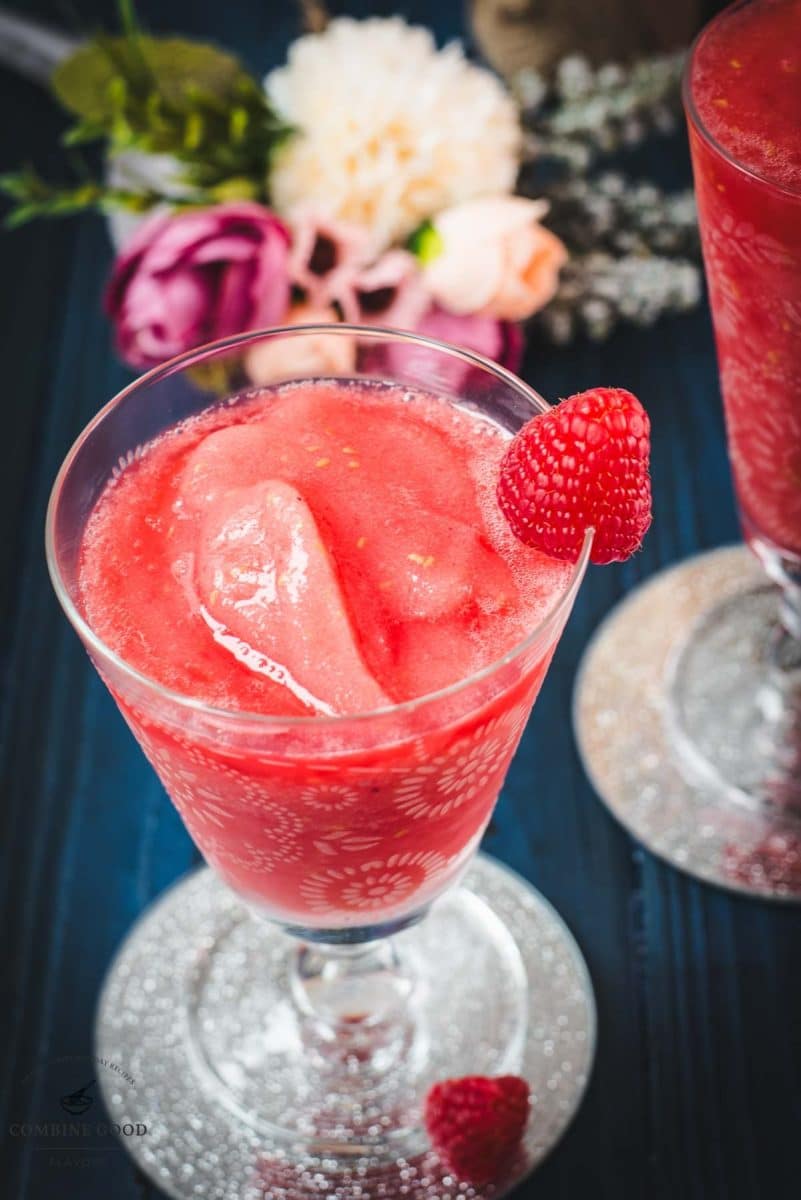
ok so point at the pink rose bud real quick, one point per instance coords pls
(499, 340)
(191, 277)
(416, 364)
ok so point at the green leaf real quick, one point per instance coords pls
(174, 64)
(121, 131)
(36, 198)
(238, 122)
(21, 215)
(426, 243)
(237, 188)
(112, 199)
(193, 131)
(20, 184)
(128, 18)
(82, 132)
(117, 94)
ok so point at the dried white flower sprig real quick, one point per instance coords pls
(611, 212)
(634, 249)
(588, 112)
(597, 291)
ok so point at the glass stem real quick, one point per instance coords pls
(785, 650)
(790, 610)
(347, 990)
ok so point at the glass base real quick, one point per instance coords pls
(349, 1083)
(734, 706)
(247, 1096)
(688, 718)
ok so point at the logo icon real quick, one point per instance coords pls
(76, 1103)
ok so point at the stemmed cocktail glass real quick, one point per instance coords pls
(285, 1012)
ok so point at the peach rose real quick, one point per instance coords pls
(496, 258)
(282, 358)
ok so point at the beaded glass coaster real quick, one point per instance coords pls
(156, 1016)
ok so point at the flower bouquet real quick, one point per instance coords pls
(369, 180)
(372, 178)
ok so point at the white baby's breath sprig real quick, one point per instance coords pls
(597, 291)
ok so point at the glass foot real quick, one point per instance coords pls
(688, 718)
(734, 704)
(247, 1095)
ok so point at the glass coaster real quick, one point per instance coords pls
(688, 719)
(215, 1067)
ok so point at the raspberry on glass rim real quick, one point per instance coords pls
(581, 465)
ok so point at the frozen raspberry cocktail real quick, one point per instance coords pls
(743, 94)
(325, 607)
(324, 550)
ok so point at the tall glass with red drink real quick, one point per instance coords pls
(743, 98)
(712, 777)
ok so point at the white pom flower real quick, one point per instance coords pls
(390, 130)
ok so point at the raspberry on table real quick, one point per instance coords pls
(476, 1123)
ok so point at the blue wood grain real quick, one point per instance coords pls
(697, 1088)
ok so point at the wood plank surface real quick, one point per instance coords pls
(696, 1093)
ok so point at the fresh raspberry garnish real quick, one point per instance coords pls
(583, 463)
(475, 1124)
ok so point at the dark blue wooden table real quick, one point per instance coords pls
(696, 1092)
